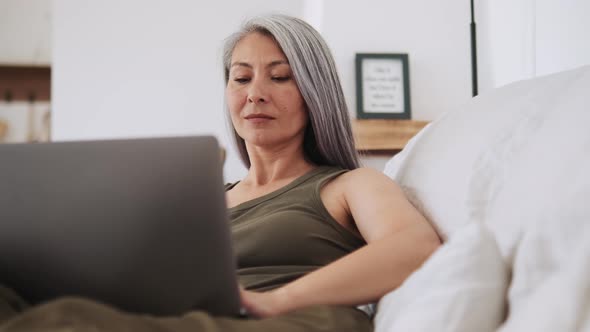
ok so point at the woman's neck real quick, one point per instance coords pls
(272, 166)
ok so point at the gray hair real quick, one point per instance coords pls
(328, 137)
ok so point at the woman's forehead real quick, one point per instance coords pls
(256, 48)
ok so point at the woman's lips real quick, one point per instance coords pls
(258, 118)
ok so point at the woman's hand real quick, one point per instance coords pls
(263, 305)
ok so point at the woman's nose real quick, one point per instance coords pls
(257, 93)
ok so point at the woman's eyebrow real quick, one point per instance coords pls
(241, 64)
(277, 62)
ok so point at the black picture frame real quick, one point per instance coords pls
(383, 86)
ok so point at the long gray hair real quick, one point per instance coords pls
(328, 137)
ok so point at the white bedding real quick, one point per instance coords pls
(516, 160)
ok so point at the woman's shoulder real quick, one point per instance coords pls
(364, 175)
(363, 179)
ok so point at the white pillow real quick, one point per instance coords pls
(562, 301)
(436, 170)
(538, 206)
(461, 287)
(538, 163)
(396, 164)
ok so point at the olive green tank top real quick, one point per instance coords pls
(287, 233)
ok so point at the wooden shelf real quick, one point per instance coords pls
(25, 83)
(381, 136)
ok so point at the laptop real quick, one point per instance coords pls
(139, 224)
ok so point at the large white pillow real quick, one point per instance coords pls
(537, 165)
(438, 170)
(525, 176)
(462, 287)
(538, 205)
(561, 302)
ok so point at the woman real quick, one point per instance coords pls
(289, 116)
(315, 236)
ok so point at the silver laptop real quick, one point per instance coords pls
(140, 224)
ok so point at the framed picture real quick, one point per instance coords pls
(382, 86)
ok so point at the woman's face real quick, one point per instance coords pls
(265, 105)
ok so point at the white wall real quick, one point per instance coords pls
(506, 41)
(129, 69)
(521, 39)
(25, 34)
(434, 33)
(562, 35)
(125, 69)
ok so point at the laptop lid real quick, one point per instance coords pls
(140, 224)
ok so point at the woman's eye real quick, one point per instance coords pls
(241, 79)
(281, 78)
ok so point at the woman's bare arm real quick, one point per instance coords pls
(399, 240)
